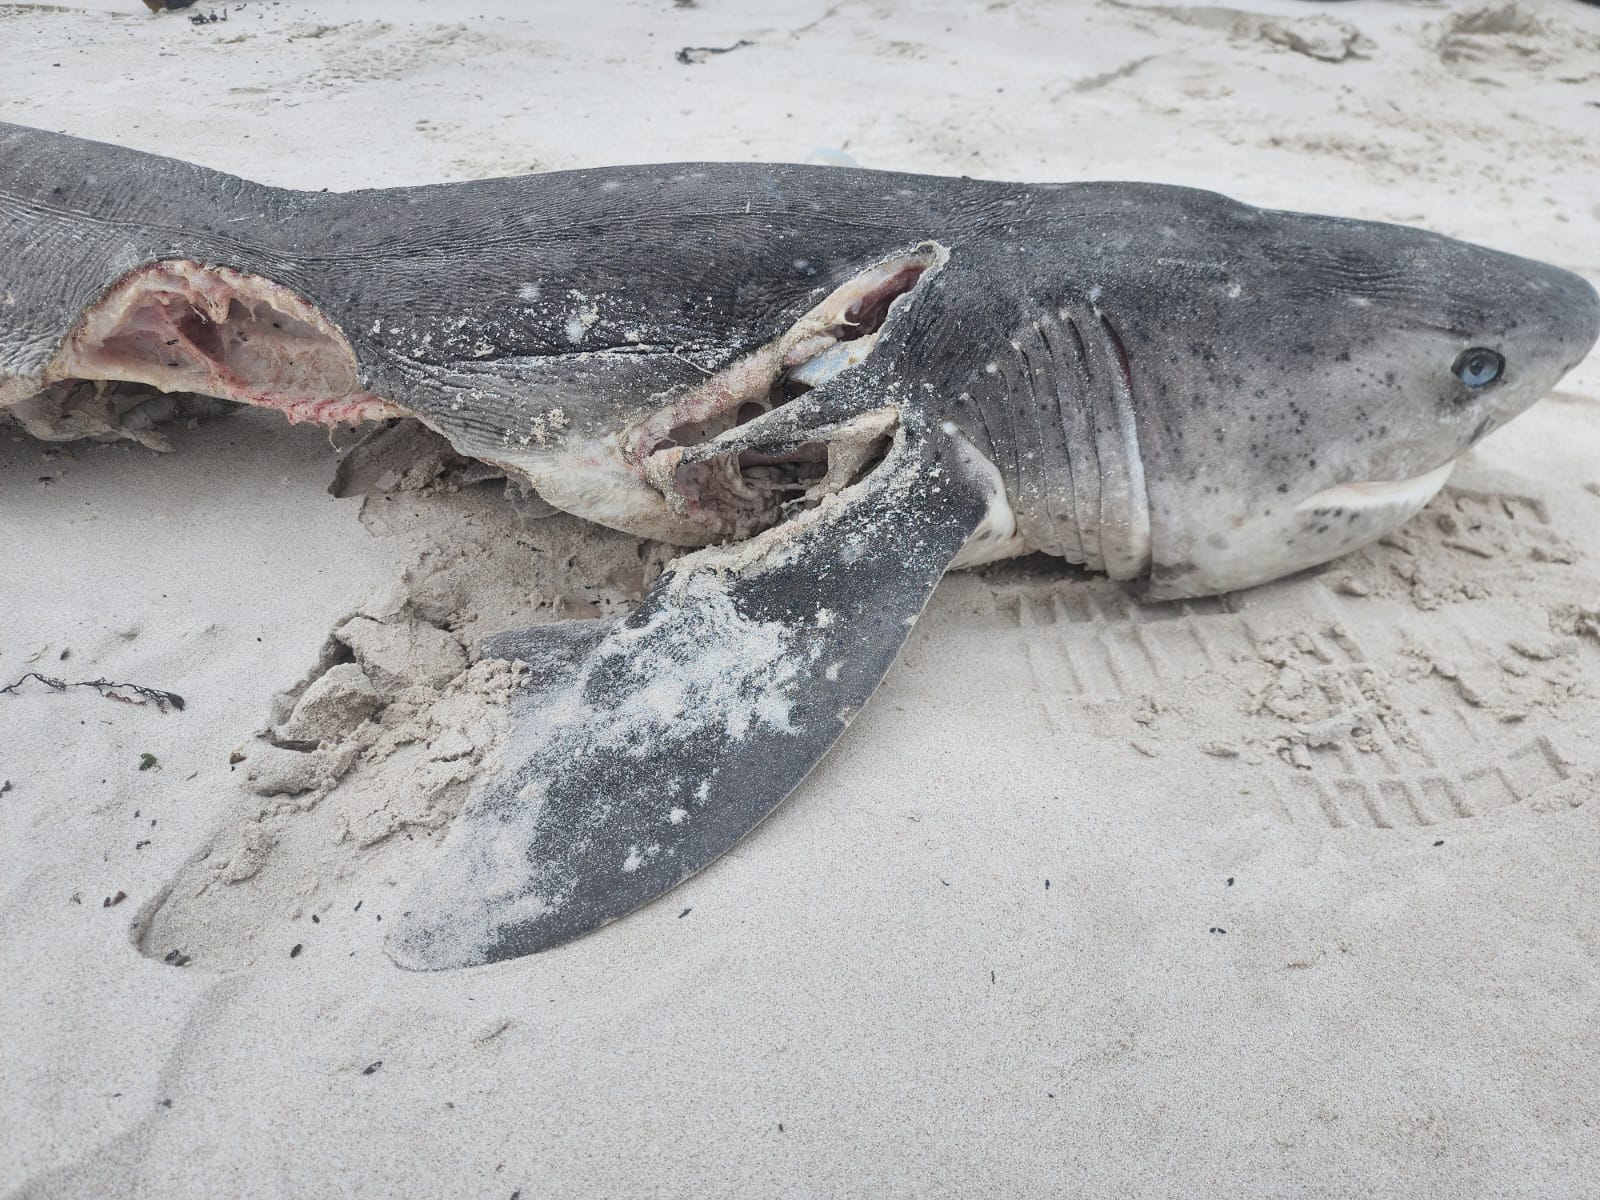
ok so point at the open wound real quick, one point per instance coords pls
(180, 326)
(719, 456)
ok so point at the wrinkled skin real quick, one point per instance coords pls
(1161, 375)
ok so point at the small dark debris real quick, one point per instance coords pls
(176, 958)
(991, 976)
(1230, 880)
(685, 913)
(236, 758)
(77, 898)
(294, 951)
(166, 1104)
(5, 786)
(316, 920)
(1047, 885)
(113, 901)
(141, 845)
(1440, 842)
(1218, 929)
(106, 687)
(357, 908)
(371, 1067)
(691, 56)
(64, 655)
(146, 761)
(210, 18)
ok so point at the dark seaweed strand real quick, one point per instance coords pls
(105, 687)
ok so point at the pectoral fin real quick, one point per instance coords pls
(673, 733)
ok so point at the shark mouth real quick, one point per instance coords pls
(1399, 499)
(732, 481)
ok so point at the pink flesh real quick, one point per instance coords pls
(715, 491)
(180, 326)
(744, 391)
(868, 313)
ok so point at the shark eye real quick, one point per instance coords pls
(1479, 367)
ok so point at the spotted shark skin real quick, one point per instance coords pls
(839, 383)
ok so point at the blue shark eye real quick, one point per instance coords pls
(1479, 367)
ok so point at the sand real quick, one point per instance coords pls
(1286, 893)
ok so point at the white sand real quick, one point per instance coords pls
(1321, 905)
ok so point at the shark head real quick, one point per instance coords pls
(1313, 391)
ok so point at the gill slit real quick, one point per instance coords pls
(1132, 521)
(1034, 460)
(1056, 482)
(1083, 447)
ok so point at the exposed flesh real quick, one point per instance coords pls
(740, 491)
(188, 329)
(181, 326)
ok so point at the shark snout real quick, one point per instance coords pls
(1559, 318)
(1549, 321)
(1580, 306)
(1539, 321)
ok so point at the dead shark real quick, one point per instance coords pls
(839, 383)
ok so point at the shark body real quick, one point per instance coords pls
(839, 383)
